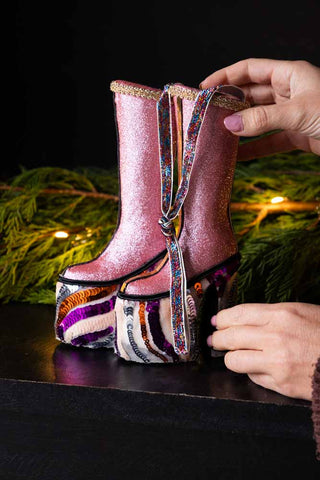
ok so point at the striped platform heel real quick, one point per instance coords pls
(86, 293)
(164, 317)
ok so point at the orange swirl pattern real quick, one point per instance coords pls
(82, 297)
(198, 289)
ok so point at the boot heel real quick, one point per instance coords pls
(227, 300)
(229, 297)
(219, 294)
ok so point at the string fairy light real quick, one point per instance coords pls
(277, 200)
(61, 234)
(275, 204)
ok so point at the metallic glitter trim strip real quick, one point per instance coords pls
(177, 91)
(136, 91)
(219, 100)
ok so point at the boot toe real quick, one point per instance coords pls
(85, 316)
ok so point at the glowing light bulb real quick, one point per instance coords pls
(61, 234)
(277, 199)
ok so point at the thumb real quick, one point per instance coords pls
(264, 118)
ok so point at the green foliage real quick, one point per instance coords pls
(280, 255)
(295, 176)
(31, 257)
(280, 265)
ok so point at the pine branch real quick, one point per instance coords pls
(55, 191)
(277, 207)
(279, 243)
(235, 206)
(297, 172)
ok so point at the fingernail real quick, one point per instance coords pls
(214, 320)
(234, 123)
(200, 86)
(209, 341)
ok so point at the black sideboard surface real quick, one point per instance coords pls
(75, 413)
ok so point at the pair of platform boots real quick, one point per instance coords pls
(173, 259)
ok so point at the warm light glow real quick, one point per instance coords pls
(61, 234)
(277, 199)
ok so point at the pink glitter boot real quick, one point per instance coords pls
(165, 317)
(86, 292)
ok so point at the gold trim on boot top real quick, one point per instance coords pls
(117, 86)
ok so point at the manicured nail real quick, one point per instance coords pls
(209, 341)
(214, 320)
(234, 123)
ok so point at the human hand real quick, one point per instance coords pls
(277, 345)
(285, 95)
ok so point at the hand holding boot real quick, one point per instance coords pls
(285, 95)
(277, 345)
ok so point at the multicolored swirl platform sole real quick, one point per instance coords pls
(81, 310)
(85, 314)
(143, 326)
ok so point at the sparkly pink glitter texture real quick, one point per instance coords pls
(207, 236)
(138, 238)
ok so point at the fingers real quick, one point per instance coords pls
(257, 94)
(274, 143)
(265, 118)
(252, 70)
(245, 361)
(237, 338)
(244, 314)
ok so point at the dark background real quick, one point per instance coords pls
(68, 53)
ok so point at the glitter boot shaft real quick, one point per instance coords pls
(165, 317)
(87, 292)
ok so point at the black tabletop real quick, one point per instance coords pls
(74, 390)
(29, 351)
